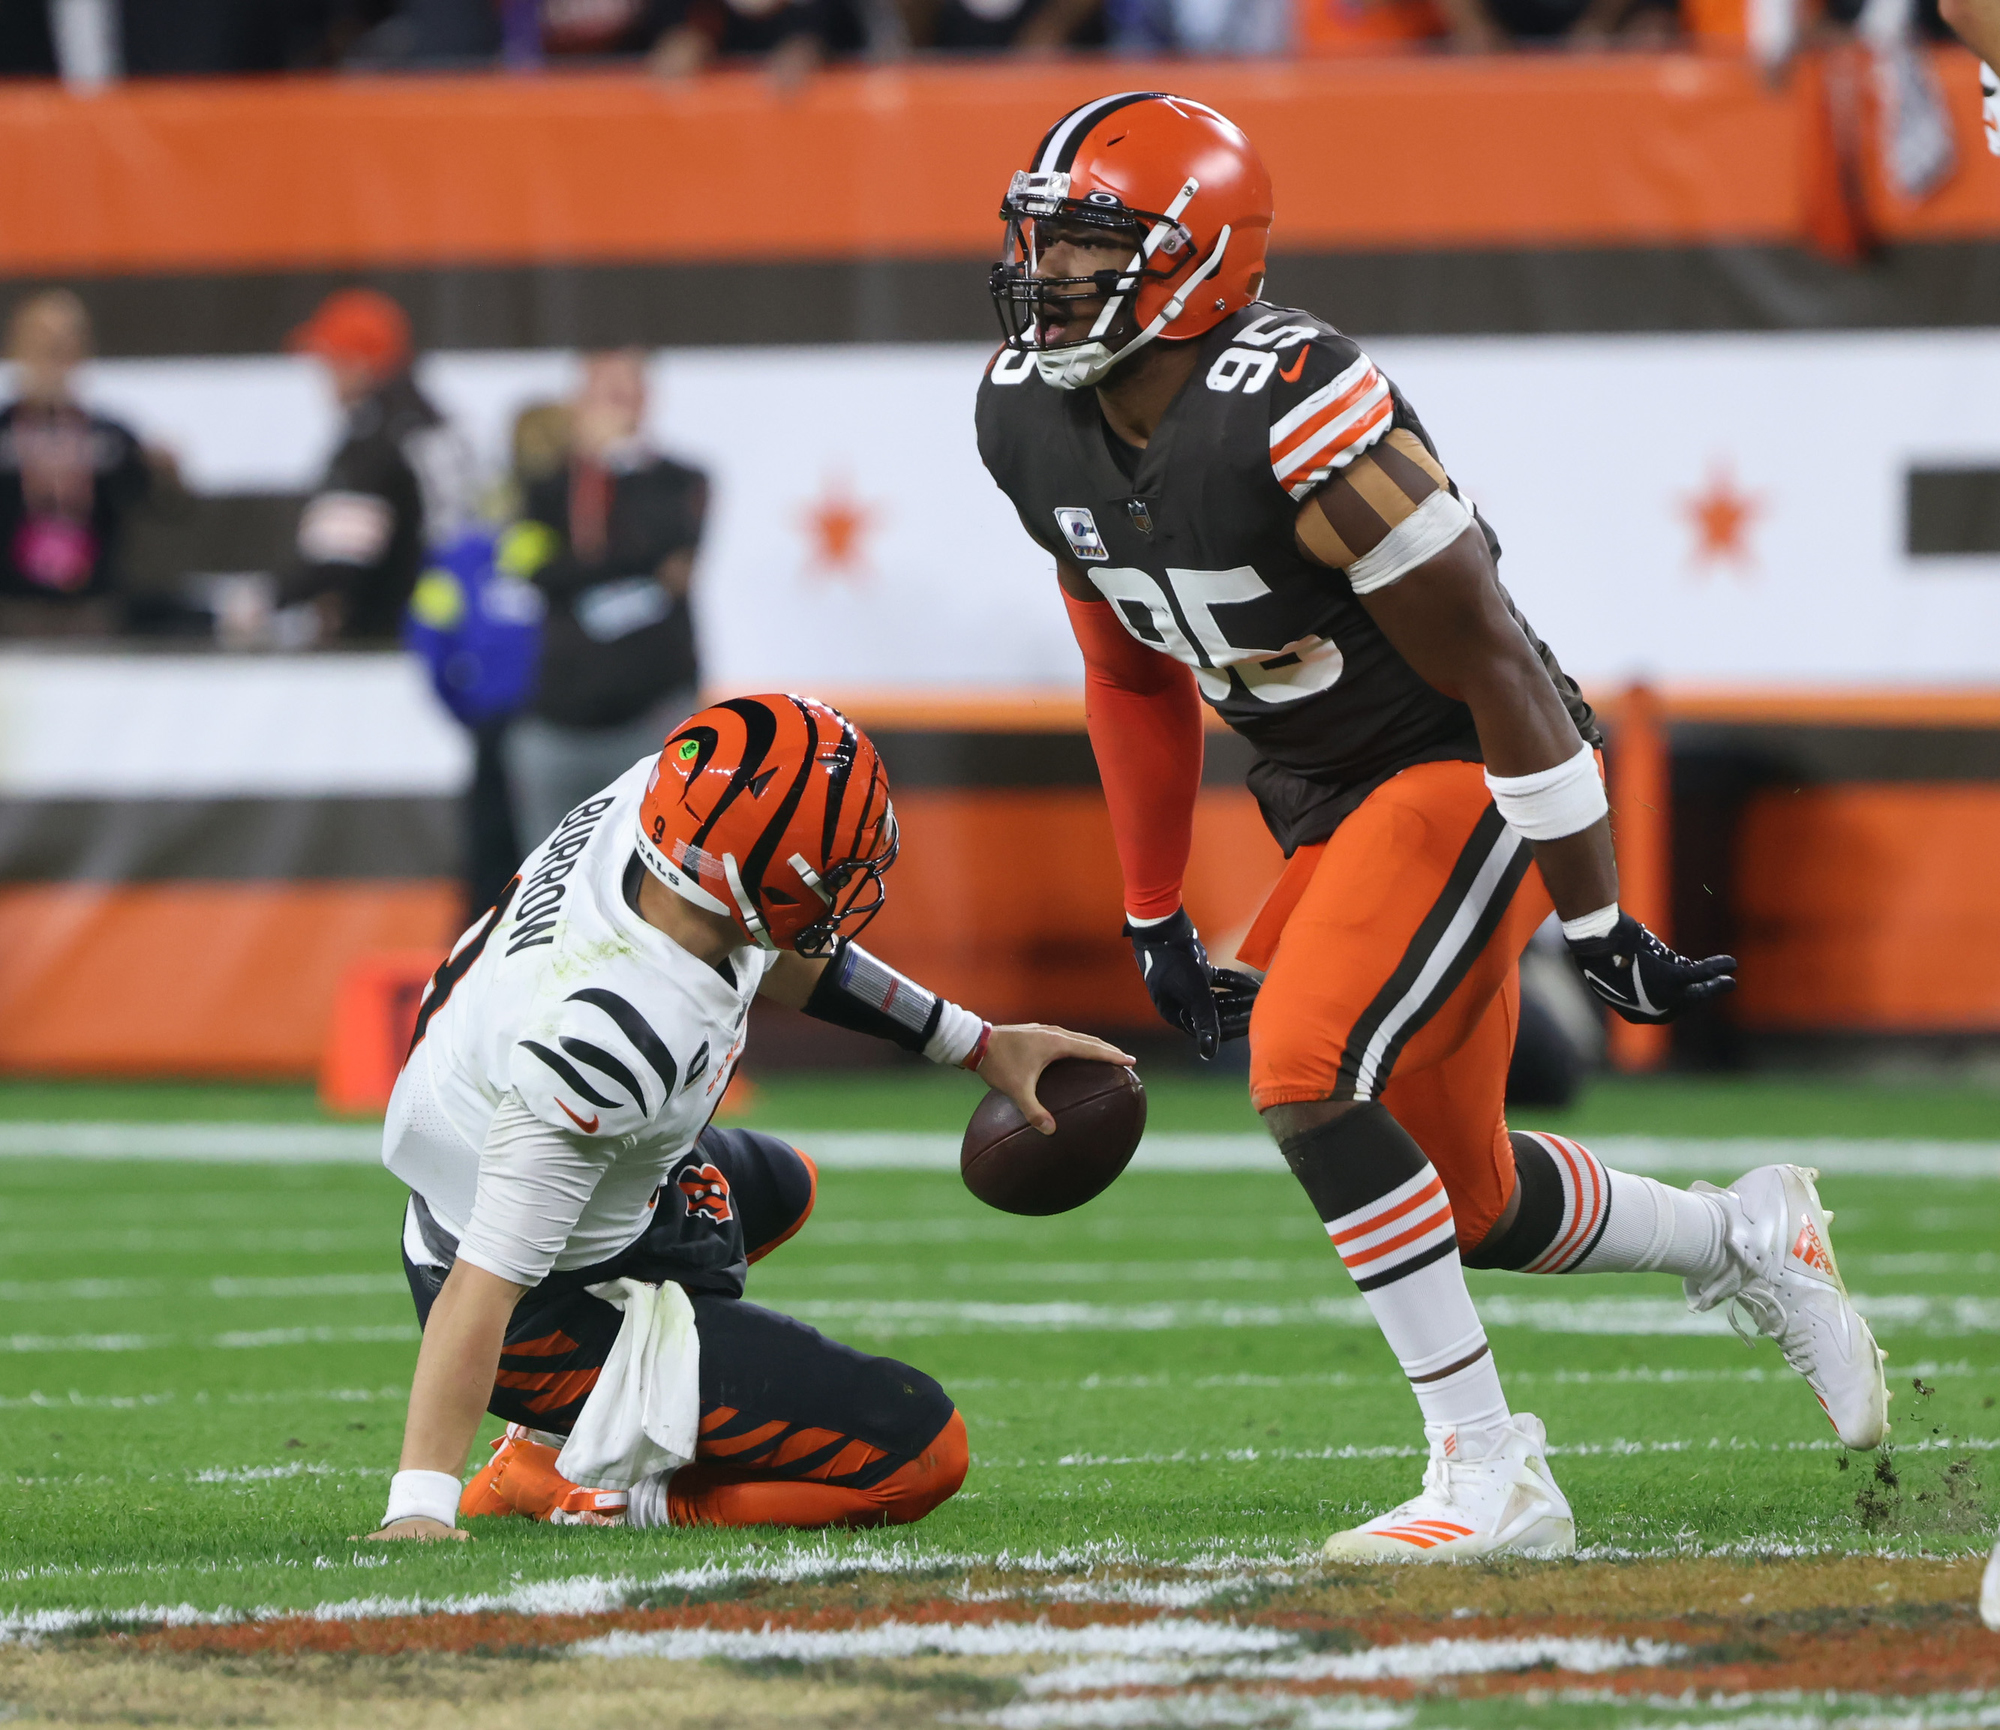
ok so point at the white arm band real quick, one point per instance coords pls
(1551, 803)
(1425, 532)
(1599, 924)
(958, 1033)
(423, 1495)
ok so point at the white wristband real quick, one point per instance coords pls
(958, 1031)
(423, 1495)
(1551, 803)
(1599, 924)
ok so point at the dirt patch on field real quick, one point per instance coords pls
(796, 1653)
(101, 1684)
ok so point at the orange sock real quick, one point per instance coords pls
(704, 1495)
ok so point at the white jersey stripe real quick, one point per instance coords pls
(1325, 396)
(1340, 446)
(1492, 872)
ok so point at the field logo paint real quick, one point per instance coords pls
(542, 894)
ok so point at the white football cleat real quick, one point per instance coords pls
(1784, 1284)
(1989, 1591)
(1504, 1504)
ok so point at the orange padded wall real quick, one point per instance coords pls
(1870, 907)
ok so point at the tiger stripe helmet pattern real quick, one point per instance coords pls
(1181, 183)
(774, 812)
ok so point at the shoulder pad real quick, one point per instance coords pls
(1328, 403)
(600, 1069)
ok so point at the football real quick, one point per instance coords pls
(1100, 1113)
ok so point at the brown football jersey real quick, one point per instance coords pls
(1191, 541)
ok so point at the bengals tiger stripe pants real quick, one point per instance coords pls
(796, 1429)
(1390, 955)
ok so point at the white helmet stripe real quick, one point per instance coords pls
(1060, 151)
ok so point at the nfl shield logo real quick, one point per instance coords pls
(1079, 528)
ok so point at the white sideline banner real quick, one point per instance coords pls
(1686, 507)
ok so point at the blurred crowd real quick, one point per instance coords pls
(550, 603)
(91, 41)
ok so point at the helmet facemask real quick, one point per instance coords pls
(1037, 208)
(853, 892)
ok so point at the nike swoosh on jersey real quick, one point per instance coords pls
(589, 1128)
(1290, 374)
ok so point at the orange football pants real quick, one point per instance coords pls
(1389, 953)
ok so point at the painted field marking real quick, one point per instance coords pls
(1616, 1317)
(76, 1400)
(361, 1144)
(1892, 1313)
(222, 1286)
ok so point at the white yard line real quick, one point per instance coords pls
(204, 1143)
(1619, 1317)
(361, 1143)
(237, 1340)
(1617, 1448)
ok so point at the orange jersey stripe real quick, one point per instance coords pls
(1323, 457)
(1303, 435)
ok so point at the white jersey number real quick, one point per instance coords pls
(1272, 674)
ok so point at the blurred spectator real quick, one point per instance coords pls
(795, 34)
(1978, 22)
(69, 481)
(618, 649)
(27, 45)
(493, 833)
(1026, 26)
(1481, 26)
(180, 38)
(401, 480)
(1235, 27)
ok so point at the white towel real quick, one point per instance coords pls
(641, 1417)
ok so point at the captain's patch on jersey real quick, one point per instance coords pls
(1079, 528)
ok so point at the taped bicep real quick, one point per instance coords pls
(1384, 514)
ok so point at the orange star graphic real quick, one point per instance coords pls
(836, 526)
(1721, 516)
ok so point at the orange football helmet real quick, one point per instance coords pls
(774, 812)
(1188, 189)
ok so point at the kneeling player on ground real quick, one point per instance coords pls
(552, 1124)
(1243, 510)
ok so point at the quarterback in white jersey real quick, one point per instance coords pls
(552, 1122)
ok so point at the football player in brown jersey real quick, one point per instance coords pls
(1244, 510)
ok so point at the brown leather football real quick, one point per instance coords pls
(1100, 1113)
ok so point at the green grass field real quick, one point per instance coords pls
(203, 1366)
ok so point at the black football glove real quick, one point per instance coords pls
(1644, 980)
(1210, 1004)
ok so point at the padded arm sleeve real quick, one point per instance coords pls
(1144, 715)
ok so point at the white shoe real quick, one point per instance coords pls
(1989, 1592)
(1783, 1283)
(1505, 1503)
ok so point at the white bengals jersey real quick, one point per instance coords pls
(603, 1029)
